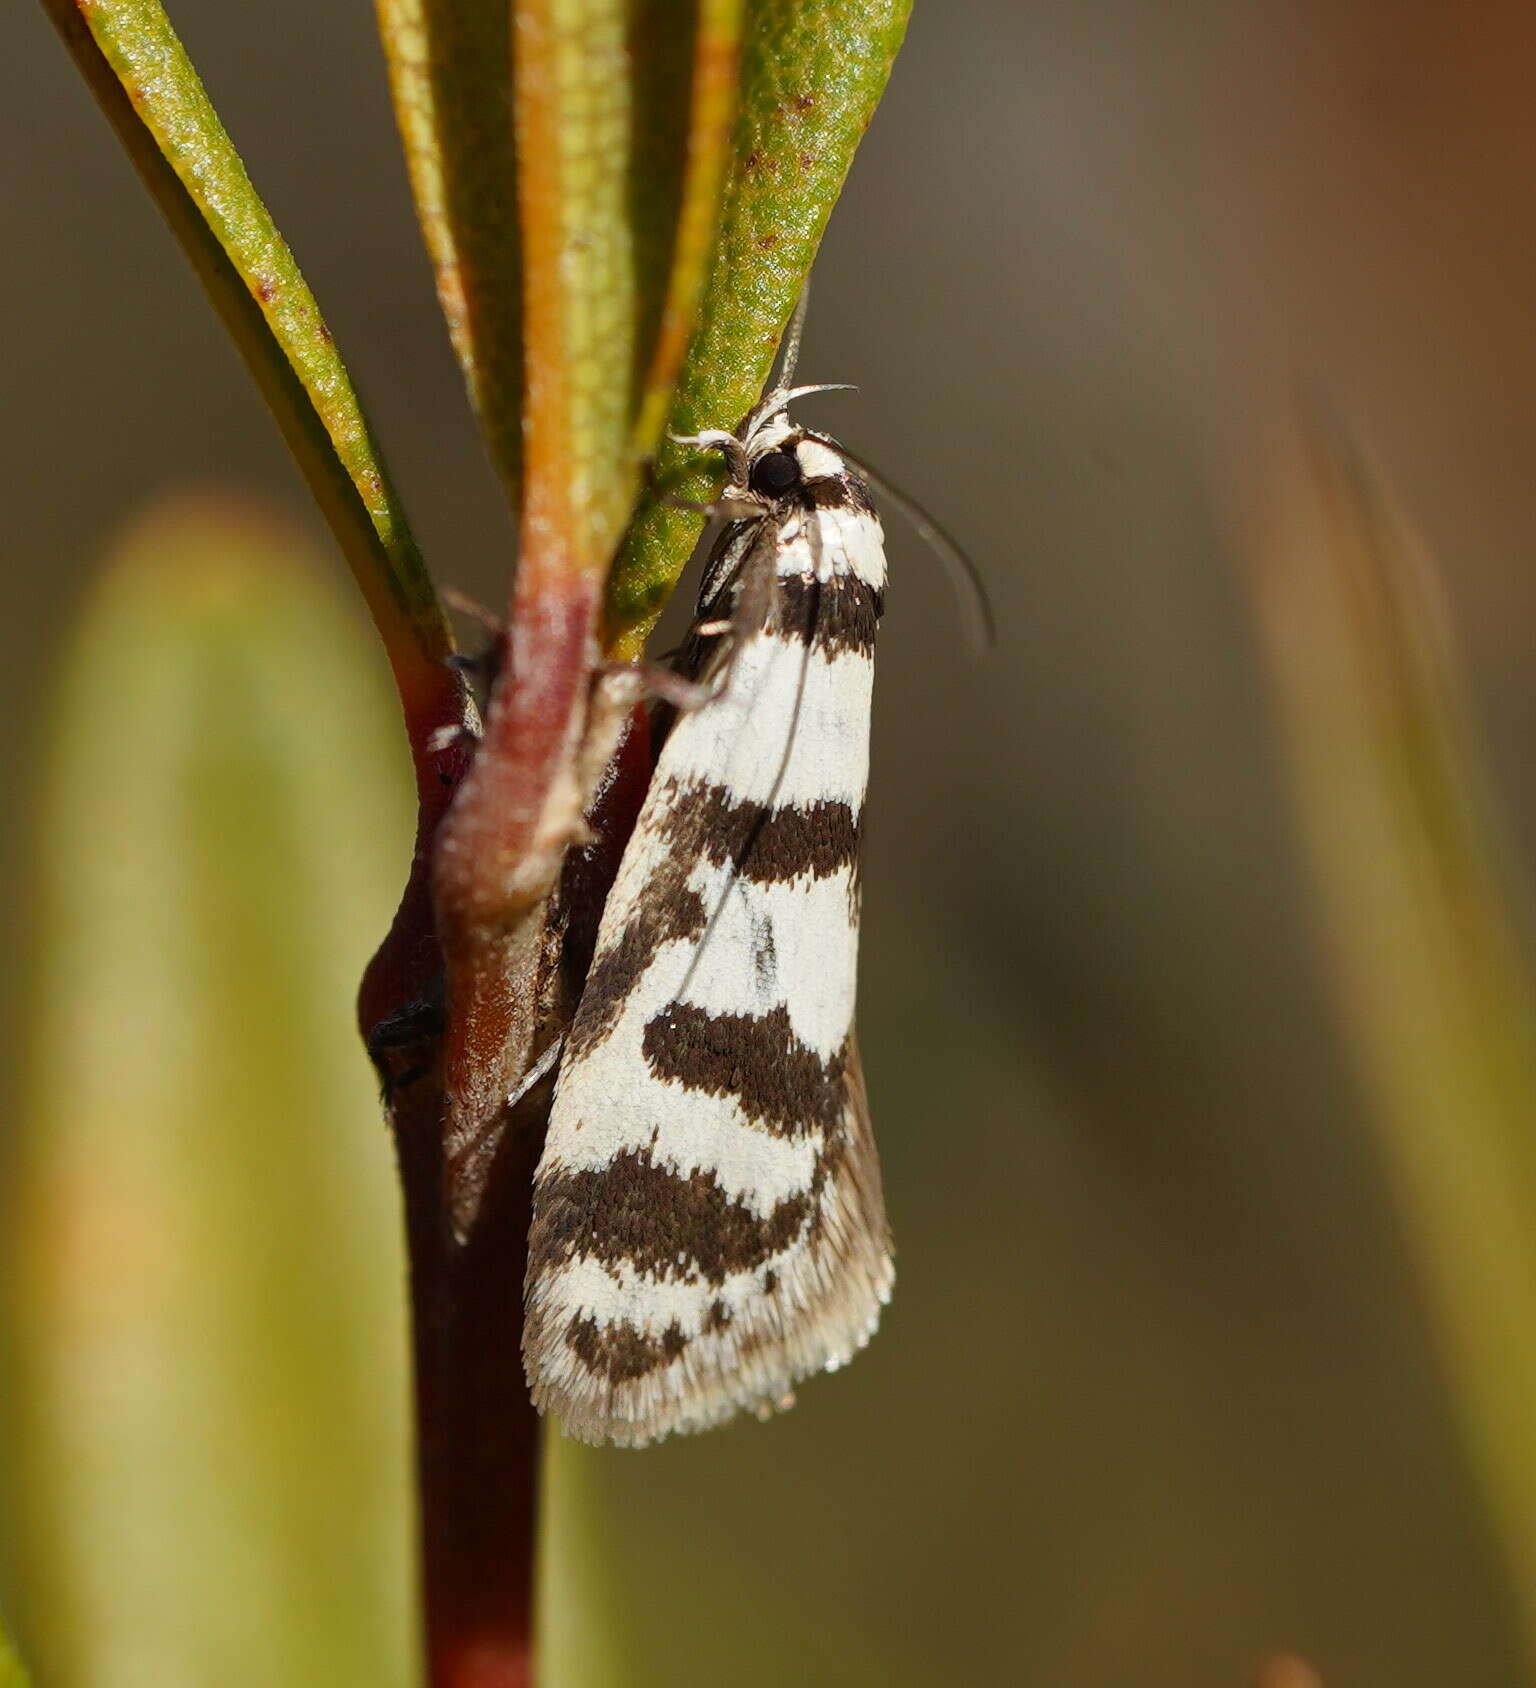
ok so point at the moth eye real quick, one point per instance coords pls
(774, 473)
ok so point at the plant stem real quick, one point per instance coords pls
(478, 1435)
(478, 1449)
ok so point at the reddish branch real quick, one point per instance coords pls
(448, 1002)
(454, 1053)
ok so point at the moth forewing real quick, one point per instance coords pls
(708, 1221)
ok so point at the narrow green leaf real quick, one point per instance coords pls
(639, 115)
(812, 73)
(137, 69)
(450, 70)
(200, 1238)
(680, 234)
(1427, 952)
(575, 114)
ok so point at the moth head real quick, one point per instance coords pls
(771, 461)
(780, 460)
(768, 458)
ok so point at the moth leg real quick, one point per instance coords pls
(676, 501)
(444, 738)
(728, 445)
(473, 610)
(666, 685)
(664, 495)
(656, 680)
(480, 670)
(753, 581)
(539, 1070)
(753, 604)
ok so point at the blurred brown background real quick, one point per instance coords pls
(1156, 1398)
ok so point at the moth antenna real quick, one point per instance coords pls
(975, 600)
(772, 403)
(789, 346)
(778, 391)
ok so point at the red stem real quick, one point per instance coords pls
(478, 1436)
(495, 858)
(478, 1447)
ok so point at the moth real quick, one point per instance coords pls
(708, 1222)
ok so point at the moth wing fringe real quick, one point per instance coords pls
(826, 1307)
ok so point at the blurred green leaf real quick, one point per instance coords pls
(139, 72)
(12, 1675)
(812, 73)
(608, 1620)
(1426, 938)
(200, 1236)
(578, 1575)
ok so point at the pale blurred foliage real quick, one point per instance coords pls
(205, 1397)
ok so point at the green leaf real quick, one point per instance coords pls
(201, 1233)
(135, 65)
(1418, 920)
(628, 109)
(686, 107)
(575, 117)
(450, 71)
(812, 73)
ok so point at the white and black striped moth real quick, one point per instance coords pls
(708, 1223)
